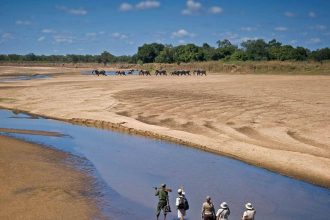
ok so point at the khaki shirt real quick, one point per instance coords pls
(249, 214)
(208, 208)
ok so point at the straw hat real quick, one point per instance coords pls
(224, 205)
(248, 206)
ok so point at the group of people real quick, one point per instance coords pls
(208, 210)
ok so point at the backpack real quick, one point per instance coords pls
(181, 203)
(186, 204)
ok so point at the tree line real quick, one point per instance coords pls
(253, 50)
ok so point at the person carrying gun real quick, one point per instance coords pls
(163, 202)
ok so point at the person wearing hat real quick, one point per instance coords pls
(162, 194)
(249, 213)
(208, 212)
(180, 204)
(223, 212)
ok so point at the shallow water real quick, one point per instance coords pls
(131, 166)
(24, 77)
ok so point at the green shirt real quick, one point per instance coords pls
(162, 194)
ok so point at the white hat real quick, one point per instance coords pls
(224, 205)
(183, 193)
(179, 191)
(248, 206)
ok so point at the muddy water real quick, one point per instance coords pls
(130, 166)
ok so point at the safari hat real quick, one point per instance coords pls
(224, 205)
(248, 206)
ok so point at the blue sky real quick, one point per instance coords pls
(120, 26)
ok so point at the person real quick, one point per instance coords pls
(223, 212)
(208, 212)
(181, 204)
(249, 213)
(162, 194)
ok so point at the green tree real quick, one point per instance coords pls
(188, 53)
(165, 56)
(225, 48)
(239, 55)
(256, 49)
(106, 57)
(148, 52)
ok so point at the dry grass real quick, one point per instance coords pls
(238, 67)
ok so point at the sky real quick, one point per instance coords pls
(121, 26)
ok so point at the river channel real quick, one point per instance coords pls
(130, 166)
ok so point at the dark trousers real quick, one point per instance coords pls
(209, 217)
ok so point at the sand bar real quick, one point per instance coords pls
(38, 183)
(277, 122)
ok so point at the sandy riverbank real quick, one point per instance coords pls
(280, 123)
(38, 183)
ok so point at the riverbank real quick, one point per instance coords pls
(39, 183)
(276, 122)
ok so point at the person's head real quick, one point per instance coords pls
(208, 199)
(163, 185)
(249, 206)
(224, 205)
(180, 191)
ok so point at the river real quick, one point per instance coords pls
(130, 166)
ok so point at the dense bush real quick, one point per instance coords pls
(254, 50)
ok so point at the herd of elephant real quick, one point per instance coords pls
(198, 72)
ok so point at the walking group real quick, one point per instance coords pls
(208, 210)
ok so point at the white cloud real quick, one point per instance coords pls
(148, 4)
(315, 40)
(48, 31)
(289, 14)
(320, 27)
(312, 14)
(91, 34)
(293, 41)
(118, 35)
(7, 35)
(73, 11)
(63, 39)
(281, 29)
(21, 22)
(143, 5)
(182, 42)
(126, 7)
(182, 33)
(192, 7)
(41, 38)
(216, 10)
(248, 29)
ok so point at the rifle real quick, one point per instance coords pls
(166, 189)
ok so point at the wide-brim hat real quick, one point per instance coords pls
(248, 206)
(224, 205)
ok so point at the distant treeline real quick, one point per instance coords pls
(253, 50)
